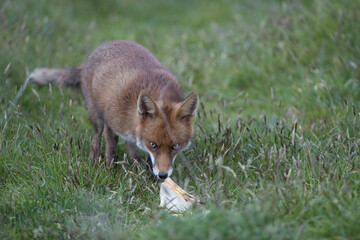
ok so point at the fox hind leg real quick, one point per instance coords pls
(111, 146)
(95, 145)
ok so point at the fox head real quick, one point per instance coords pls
(165, 129)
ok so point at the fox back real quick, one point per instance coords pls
(129, 93)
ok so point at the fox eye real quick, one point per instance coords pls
(152, 145)
(175, 146)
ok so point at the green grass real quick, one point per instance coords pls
(276, 147)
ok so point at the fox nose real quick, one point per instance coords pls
(162, 175)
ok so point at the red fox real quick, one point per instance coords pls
(129, 93)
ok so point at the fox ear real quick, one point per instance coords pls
(187, 109)
(146, 105)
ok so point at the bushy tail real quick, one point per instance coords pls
(65, 77)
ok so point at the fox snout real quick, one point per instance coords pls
(163, 174)
(162, 168)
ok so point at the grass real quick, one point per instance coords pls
(276, 148)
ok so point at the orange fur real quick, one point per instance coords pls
(129, 93)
